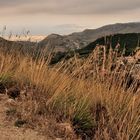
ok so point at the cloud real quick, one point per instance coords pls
(70, 7)
(46, 16)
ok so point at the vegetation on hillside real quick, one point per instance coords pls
(127, 43)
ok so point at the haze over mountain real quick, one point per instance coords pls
(82, 39)
(32, 38)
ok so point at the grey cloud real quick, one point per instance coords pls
(70, 6)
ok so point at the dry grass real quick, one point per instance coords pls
(90, 95)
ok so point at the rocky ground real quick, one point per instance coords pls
(10, 131)
(7, 129)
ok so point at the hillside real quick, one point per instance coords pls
(128, 43)
(82, 39)
(21, 46)
(59, 43)
(92, 34)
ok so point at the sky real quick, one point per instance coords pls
(43, 17)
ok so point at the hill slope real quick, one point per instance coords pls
(82, 39)
(129, 42)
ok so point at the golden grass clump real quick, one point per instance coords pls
(92, 95)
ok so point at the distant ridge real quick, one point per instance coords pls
(81, 39)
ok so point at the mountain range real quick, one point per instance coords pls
(82, 39)
(83, 43)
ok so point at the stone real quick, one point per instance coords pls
(13, 92)
(2, 89)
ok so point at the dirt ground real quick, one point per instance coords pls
(9, 132)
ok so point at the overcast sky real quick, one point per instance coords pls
(65, 16)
